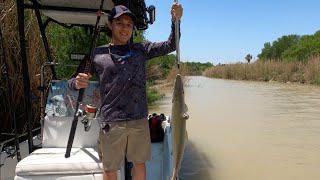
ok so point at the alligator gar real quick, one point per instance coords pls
(178, 125)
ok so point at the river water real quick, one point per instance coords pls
(242, 130)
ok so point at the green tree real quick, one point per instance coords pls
(196, 68)
(64, 41)
(275, 50)
(159, 67)
(266, 51)
(308, 46)
(248, 58)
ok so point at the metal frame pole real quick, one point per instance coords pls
(44, 37)
(25, 73)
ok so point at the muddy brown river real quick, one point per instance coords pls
(240, 130)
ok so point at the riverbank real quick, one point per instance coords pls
(155, 88)
(307, 72)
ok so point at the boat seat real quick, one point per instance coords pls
(49, 162)
(57, 129)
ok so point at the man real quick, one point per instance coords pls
(120, 70)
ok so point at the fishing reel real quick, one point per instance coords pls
(90, 112)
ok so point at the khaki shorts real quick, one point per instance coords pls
(129, 139)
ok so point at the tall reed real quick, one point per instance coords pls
(35, 58)
(272, 70)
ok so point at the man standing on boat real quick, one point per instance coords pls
(120, 70)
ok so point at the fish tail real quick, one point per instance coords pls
(174, 174)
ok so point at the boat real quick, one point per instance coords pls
(48, 161)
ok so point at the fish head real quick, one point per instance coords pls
(178, 91)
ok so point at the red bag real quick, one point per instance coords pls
(155, 126)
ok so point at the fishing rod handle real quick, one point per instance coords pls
(74, 124)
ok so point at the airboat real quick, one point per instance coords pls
(47, 160)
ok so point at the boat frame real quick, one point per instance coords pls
(41, 9)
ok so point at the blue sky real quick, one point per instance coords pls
(226, 31)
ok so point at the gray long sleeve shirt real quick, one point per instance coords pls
(123, 83)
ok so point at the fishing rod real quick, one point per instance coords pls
(177, 33)
(10, 95)
(87, 70)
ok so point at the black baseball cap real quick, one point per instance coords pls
(119, 10)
